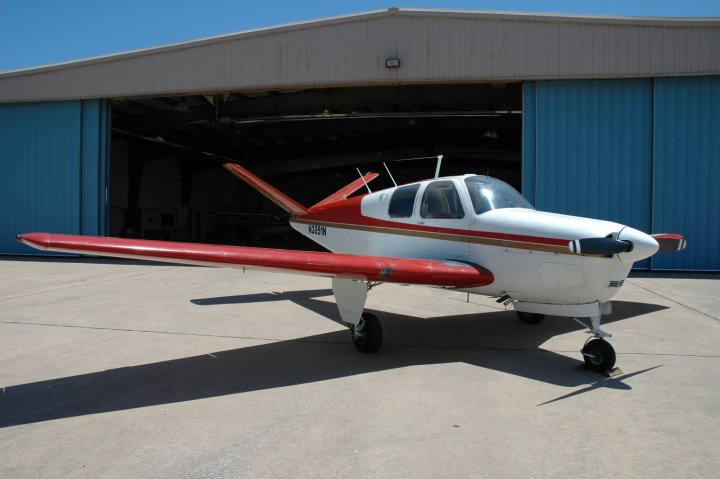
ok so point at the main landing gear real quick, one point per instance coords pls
(368, 334)
(530, 318)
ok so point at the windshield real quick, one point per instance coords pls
(491, 194)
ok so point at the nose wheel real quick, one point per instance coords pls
(367, 335)
(599, 355)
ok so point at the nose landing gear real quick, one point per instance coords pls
(599, 355)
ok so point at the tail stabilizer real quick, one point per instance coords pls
(269, 191)
(348, 190)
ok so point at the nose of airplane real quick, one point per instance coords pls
(643, 245)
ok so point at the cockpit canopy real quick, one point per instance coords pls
(441, 198)
(488, 193)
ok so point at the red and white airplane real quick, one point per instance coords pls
(467, 233)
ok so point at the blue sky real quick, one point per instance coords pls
(40, 32)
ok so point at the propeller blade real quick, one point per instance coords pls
(670, 242)
(605, 246)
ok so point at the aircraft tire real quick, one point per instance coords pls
(372, 337)
(530, 318)
(599, 355)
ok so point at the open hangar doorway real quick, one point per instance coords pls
(167, 180)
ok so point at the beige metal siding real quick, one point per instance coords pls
(432, 47)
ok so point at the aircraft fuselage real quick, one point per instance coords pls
(527, 249)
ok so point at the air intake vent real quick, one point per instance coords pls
(616, 284)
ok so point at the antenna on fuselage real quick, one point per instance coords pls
(391, 176)
(437, 168)
(363, 178)
(439, 159)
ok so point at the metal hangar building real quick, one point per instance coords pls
(608, 117)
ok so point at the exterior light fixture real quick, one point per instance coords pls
(392, 63)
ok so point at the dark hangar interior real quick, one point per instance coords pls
(167, 179)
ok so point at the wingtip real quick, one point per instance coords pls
(36, 240)
(24, 237)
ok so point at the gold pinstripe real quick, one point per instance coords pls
(450, 237)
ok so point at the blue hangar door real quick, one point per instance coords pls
(53, 170)
(641, 152)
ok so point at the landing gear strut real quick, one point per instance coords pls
(367, 335)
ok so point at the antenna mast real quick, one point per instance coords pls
(364, 182)
(391, 176)
(437, 168)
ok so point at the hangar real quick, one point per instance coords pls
(608, 117)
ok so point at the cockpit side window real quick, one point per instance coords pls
(441, 201)
(403, 201)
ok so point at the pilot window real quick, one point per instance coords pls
(489, 194)
(403, 201)
(441, 201)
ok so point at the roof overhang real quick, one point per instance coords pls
(432, 46)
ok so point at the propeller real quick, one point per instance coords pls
(605, 246)
(670, 242)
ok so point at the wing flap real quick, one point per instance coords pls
(371, 268)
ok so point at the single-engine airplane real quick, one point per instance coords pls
(467, 233)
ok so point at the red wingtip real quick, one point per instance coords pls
(36, 240)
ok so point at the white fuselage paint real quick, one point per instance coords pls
(522, 269)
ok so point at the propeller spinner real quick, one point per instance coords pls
(630, 245)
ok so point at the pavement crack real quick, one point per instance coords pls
(427, 347)
(84, 284)
(130, 330)
(676, 302)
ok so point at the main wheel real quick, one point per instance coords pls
(530, 318)
(599, 355)
(367, 335)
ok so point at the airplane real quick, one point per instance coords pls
(469, 233)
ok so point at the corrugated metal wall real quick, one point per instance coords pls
(645, 153)
(52, 170)
(593, 145)
(433, 46)
(686, 196)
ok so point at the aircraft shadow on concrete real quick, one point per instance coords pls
(493, 340)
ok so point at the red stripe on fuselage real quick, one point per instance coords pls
(349, 213)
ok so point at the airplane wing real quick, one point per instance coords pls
(370, 268)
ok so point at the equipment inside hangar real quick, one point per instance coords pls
(166, 175)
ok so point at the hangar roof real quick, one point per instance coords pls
(432, 46)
